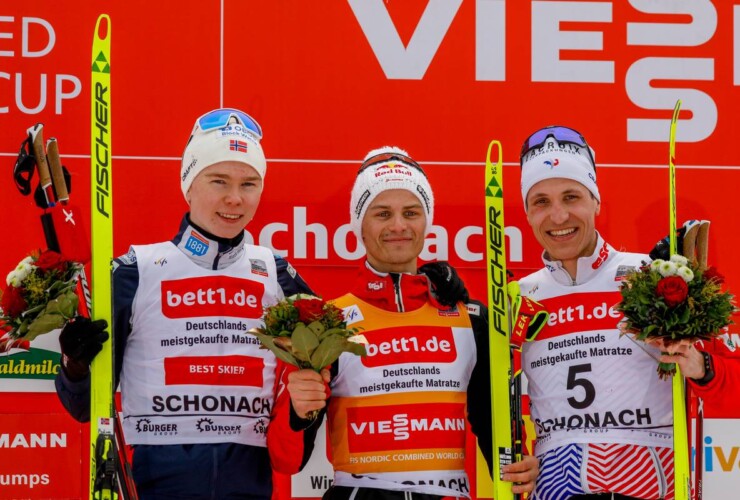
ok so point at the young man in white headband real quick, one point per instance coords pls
(197, 392)
(426, 362)
(602, 415)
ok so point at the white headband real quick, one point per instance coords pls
(558, 160)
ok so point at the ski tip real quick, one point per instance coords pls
(499, 156)
(102, 27)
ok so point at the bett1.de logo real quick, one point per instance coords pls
(212, 296)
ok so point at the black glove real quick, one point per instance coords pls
(662, 249)
(447, 286)
(81, 340)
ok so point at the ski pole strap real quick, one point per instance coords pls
(25, 165)
(528, 316)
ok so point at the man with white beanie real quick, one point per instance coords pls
(397, 418)
(603, 417)
(197, 391)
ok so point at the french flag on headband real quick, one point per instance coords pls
(235, 145)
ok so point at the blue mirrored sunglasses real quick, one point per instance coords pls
(560, 134)
(386, 157)
(220, 118)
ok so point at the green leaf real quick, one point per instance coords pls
(44, 323)
(355, 348)
(333, 331)
(317, 327)
(23, 328)
(645, 332)
(57, 312)
(65, 304)
(685, 315)
(305, 342)
(327, 352)
(331, 348)
(279, 353)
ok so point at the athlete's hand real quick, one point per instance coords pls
(308, 390)
(684, 354)
(522, 473)
(447, 285)
(81, 340)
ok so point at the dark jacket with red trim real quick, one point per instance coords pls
(220, 470)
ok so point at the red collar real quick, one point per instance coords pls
(386, 290)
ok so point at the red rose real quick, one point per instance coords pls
(711, 274)
(309, 309)
(12, 302)
(50, 260)
(673, 289)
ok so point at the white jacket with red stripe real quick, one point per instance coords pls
(588, 383)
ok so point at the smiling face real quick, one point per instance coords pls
(224, 197)
(393, 231)
(562, 213)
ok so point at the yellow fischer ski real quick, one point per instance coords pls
(682, 470)
(102, 442)
(498, 320)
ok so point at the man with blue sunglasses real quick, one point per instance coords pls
(197, 392)
(603, 418)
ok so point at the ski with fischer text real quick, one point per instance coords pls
(102, 441)
(505, 449)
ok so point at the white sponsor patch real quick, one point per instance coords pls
(128, 258)
(291, 271)
(473, 309)
(729, 343)
(352, 314)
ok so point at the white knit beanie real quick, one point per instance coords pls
(233, 142)
(558, 160)
(394, 169)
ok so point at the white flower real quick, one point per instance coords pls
(667, 269)
(686, 273)
(679, 259)
(655, 265)
(24, 270)
(12, 278)
(21, 272)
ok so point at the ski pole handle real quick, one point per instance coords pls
(37, 138)
(55, 163)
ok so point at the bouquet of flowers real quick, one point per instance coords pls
(307, 332)
(39, 297)
(675, 300)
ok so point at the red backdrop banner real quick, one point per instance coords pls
(330, 81)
